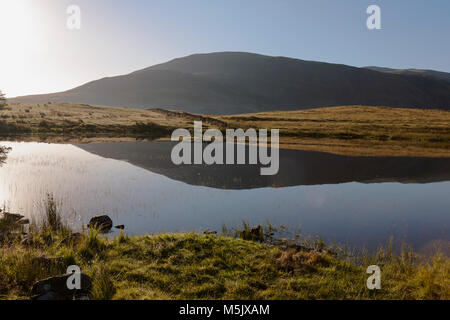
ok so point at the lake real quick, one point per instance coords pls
(359, 201)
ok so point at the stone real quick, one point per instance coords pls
(50, 295)
(13, 217)
(73, 240)
(23, 221)
(103, 223)
(55, 288)
(207, 231)
(256, 231)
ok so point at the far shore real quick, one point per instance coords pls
(345, 130)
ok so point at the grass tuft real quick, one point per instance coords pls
(102, 286)
(194, 266)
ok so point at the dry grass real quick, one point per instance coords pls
(349, 130)
(66, 121)
(357, 130)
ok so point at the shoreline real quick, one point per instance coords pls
(240, 264)
(191, 266)
(351, 130)
(361, 150)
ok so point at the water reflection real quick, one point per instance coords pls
(3, 154)
(312, 194)
(296, 167)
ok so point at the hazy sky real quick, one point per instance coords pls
(39, 54)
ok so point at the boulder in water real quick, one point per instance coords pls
(102, 223)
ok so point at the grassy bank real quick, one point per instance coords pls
(59, 121)
(349, 130)
(358, 130)
(193, 266)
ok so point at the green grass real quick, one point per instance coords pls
(193, 266)
(243, 263)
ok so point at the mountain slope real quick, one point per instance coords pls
(235, 82)
(417, 72)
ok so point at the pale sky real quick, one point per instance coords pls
(39, 54)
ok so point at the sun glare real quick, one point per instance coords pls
(21, 37)
(15, 18)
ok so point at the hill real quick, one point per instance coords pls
(236, 82)
(417, 72)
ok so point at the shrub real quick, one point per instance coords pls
(3, 103)
(52, 219)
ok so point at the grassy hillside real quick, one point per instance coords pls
(350, 130)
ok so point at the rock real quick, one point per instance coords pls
(207, 231)
(51, 295)
(55, 288)
(13, 217)
(102, 223)
(23, 221)
(256, 231)
(73, 240)
(121, 227)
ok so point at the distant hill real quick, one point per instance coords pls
(236, 82)
(416, 72)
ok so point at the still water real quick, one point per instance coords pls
(360, 201)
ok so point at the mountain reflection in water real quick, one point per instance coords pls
(296, 167)
(361, 201)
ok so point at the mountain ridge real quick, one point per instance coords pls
(413, 71)
(239, 82)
